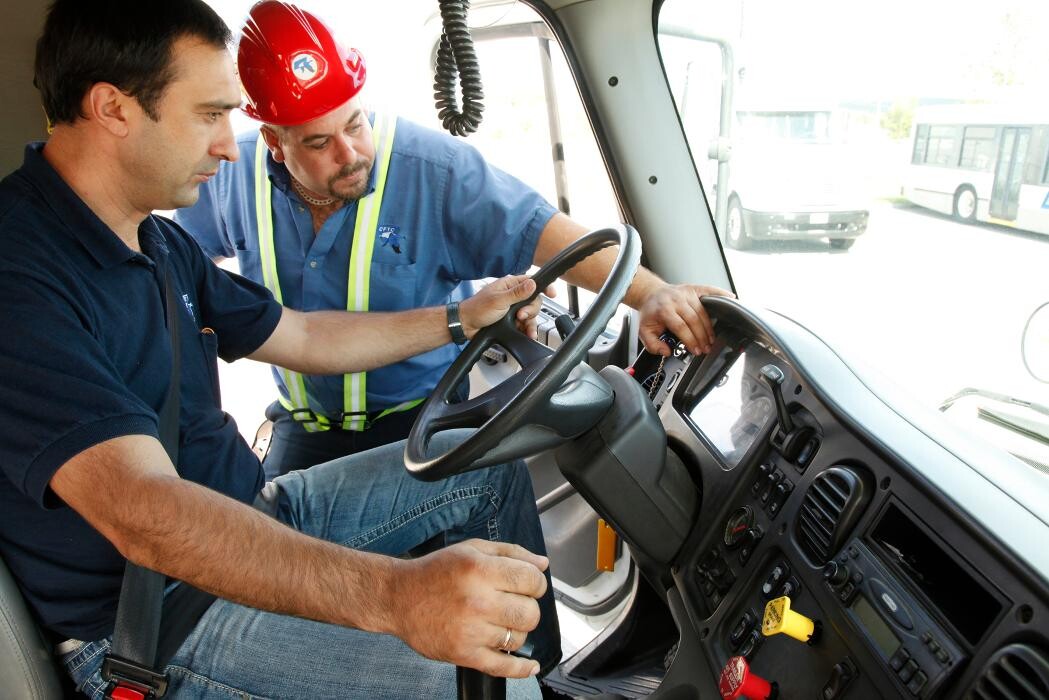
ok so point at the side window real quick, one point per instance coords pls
(942, 146)
(536, 129)
(978, 147)
(921, 142)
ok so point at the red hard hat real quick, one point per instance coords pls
(291, 68)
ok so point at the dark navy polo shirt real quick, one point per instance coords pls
(85, 357)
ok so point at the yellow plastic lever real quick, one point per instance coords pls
(779, 618)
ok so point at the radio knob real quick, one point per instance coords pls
(835, 574)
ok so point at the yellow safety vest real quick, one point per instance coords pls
(354, 411)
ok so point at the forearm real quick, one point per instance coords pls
(561, 231)
(127, 489)
(241, 555)
(338, 342)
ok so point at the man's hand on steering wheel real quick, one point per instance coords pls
(492, 301)
(677, 308)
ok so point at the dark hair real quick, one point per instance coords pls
(124, 42)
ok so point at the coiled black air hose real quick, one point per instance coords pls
(457, 62)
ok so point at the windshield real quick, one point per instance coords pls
(920, 246)
(784, 126)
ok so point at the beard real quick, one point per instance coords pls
(346, 191)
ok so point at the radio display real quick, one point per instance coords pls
(733, 412)
(879, 632)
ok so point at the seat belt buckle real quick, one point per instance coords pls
(127, 680)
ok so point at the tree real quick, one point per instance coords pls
(897, 121)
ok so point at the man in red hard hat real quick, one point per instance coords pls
(109, 309)
(332, 207)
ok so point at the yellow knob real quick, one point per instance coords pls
(780, 618)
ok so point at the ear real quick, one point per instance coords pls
(272, 139)
(106, 105)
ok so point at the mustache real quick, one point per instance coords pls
(347, 170)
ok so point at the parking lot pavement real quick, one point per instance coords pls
(932, 303)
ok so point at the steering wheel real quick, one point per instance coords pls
(554, 398)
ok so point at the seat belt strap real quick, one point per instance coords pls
(129, 666)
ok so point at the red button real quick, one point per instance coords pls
(122, 692)
(738, 682)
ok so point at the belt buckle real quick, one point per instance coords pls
(340, 418)
(127, 680)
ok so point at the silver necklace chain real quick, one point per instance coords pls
(308, 198)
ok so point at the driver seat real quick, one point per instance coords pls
(27, 669)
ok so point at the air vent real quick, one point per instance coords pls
(831, 507)
(1016, 672)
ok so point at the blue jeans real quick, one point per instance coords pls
(366, 501)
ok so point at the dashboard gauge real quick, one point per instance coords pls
(736, 528)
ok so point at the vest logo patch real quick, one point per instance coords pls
(391, 236)
(189, 307)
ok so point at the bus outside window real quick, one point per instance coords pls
(982, 162)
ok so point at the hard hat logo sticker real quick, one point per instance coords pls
(307, 67)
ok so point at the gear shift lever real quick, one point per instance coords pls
(774, 377)
(475, 685)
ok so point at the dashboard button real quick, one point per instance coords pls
(890, 603)
(750, 543)
(751, 645)
(742, 628)
(780, 492)
(908, 670)
(942, 656)
(780, 572)
(770, 483)
(791, 588)
(763, 473)
(917, 683)
(899, 658)
(846, 593)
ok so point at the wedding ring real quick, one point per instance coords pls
(505, 646)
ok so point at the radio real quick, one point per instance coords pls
(915, 649)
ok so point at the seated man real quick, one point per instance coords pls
(326, 193)
(139, 95)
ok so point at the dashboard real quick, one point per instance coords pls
(846, 543)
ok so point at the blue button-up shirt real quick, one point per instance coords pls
(447, 217)
(86, 358)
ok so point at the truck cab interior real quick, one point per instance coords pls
(848, 496)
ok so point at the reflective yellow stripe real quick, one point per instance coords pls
(355, 386)
(294, 382)
(406, 406)
(364, 233)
